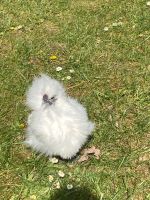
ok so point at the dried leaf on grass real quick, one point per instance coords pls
(83, 158)
(92, 150)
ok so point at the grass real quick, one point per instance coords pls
(111, 79)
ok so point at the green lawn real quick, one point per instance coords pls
(107, 44)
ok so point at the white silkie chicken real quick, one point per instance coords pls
(58, 124)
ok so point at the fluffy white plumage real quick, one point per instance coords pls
(58, 124)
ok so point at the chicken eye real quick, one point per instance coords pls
(45, 97)
(47, 100)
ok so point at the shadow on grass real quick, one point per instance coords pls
(80, 193)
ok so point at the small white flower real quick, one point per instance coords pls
(106, 28)
(69, 186)
(110, 118)
(12, 198)
(33, 197)
(115, 24)
(134, 26)
(61, 174)
(50, 178)
(117, 124)
(148, 3)
(141, 35)
(98, 41)
(120, 23)
(16, 28)
(68, 77)
(53, 160)
(57, 185)
(62, 79)
(71, 70)
(58, 69)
